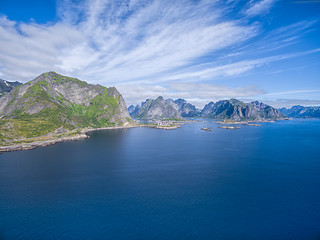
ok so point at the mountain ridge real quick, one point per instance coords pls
(156, 109)
(236, 110)
(7, 86)
(232, 109)
(52, 104)
(298, 111)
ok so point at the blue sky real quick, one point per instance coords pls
(199, 50)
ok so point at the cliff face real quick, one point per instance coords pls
(6, 86)
(52, 101)
(133, 110)
(163, 109)
(232, 109)
(207, 110)
(236, 110)
(156, 109)
(301, 112)
(186, 109)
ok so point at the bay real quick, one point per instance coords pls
(143, 183)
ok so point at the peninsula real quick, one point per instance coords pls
(53, 108)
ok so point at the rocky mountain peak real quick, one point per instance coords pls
(301, 111)
(60, 101)
(7, 86)
(237, 110)
(164, 109)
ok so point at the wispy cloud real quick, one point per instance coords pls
(150, 44)
(289, 102)
(260, 7)
(293, 92)
(208, 71)
(119, 41)
(196, 93)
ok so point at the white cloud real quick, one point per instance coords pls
(288, 103)
(30, 49)
(196, 93)
(139, 46)
(293, 92)
(118, 41)
(260, 7)
(206, 71)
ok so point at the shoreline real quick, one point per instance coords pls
(83, 135)
(251, 122)
(35, 144)
(43, 143)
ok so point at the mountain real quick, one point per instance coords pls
(301, 112)
(207, 110)
(163, 109)
(133, 109)
(6, 86)
(236, 110)
(156, 109)
(186, 109)
(54, 103)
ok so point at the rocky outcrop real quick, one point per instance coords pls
(207, 109)
(133, 109)
(6, 86)
(236, 110)
(186, 109)
(301, 112)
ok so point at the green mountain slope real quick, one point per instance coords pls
(54, 104)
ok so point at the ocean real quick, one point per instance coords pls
(144, 183)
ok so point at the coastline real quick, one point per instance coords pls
(76, 137)
(83, 134)
(251, 122)
(35, 144)
(58, 139)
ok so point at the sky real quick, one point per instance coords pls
(199, 50)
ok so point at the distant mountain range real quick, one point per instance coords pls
(301, 112)
(6, 86)
(53, 103)
(163, 109)
(236, 110)
(232, 109)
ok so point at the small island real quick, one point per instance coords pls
(229, 127)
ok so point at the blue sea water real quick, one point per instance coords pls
(143, 183)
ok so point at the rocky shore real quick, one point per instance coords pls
(248, 122)
(35, 144)
(83, 134)
(46, 141)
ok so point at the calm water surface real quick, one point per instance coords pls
(250, 183)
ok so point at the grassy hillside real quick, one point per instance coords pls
(55, 104)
